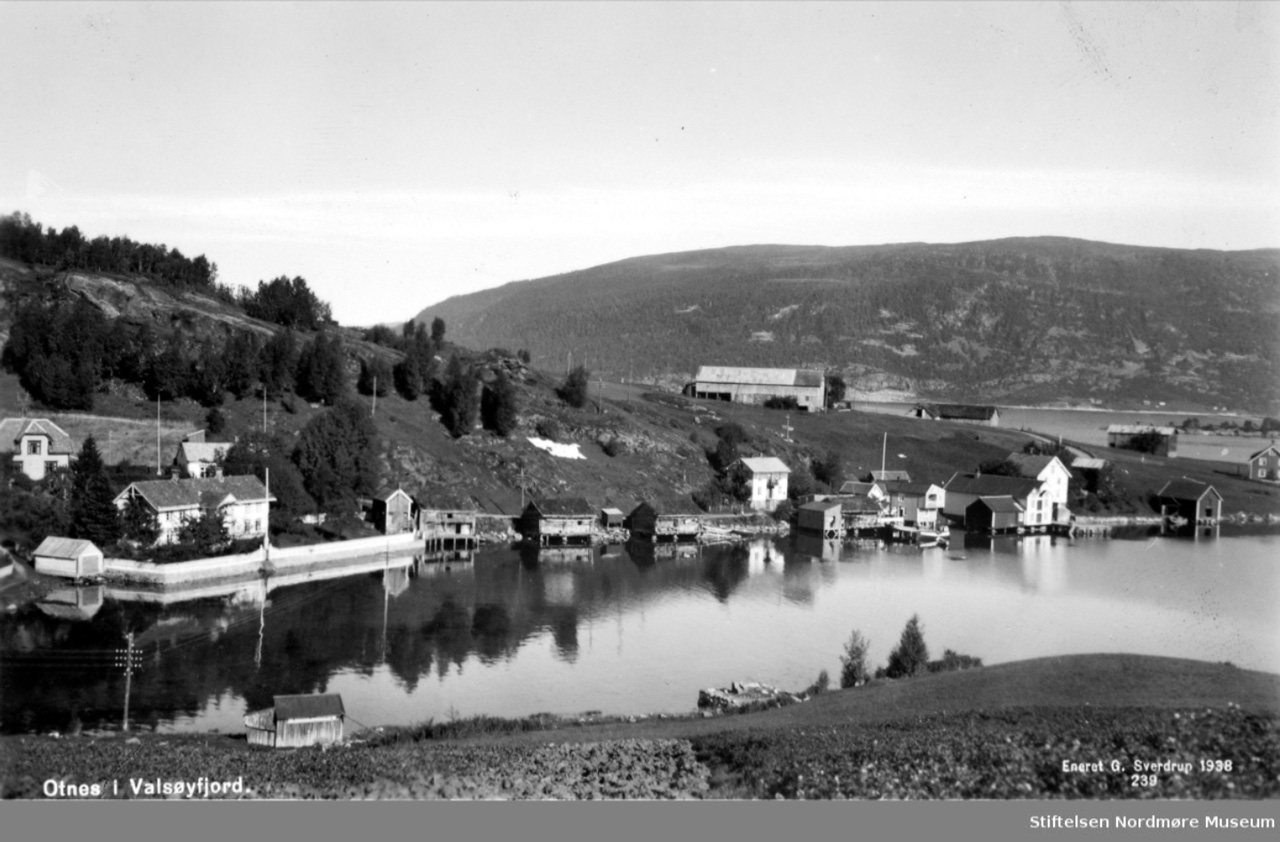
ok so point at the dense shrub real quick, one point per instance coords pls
(853, 663)
(549, 428)
(912, 656)
(787, 402)
(575, 389)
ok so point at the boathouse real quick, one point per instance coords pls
(560, 520)
(447, 522)
(824, 518)
(297, 721)
(612, 518)
(69, 558)
(392, 511)
(1196, 502)
(666, 519)
(993, 514)
(963, 489)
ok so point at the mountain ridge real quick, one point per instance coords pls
(1032, 319)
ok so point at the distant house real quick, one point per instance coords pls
(611, 518)
(297, 721)
(669, 518)
(557, 521)
(242, 500)
(767, 478)
(964, 413)
(993, 514)
(757, 385)
(198, 459)
(1090, 470)
(963, 489)
(892, 476)
(824, 518)
(39, 445)
(1196, 502)
(69, 558)
(447, 522)
(1123, 436)
(1265, 464)
(393, 511)
(917, 503)
(1052, 474)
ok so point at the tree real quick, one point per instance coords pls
(215, 421)
(836, 389)
(829, 469)
(286, 302)
(912, 656)
(574, 390)
(853, 663)
(278, 362)
(337, 454)
(437, 331)
(322, 374)
(241, 363)
(408, 377)
(93, 510)
(458, 397)
(498, 406)
(375, 377)
(207, 533)
(138, 522)
(257, 453)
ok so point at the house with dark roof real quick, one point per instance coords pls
(963, 489)
(561, 520)
(824, 518)
(1265, 464)
(917, 503)
(757, 385)
(964, 413)
(39, 445)
(671, 518)
(1159, 441)
(993, 514)
(242, 501)
(1196, 502)
(895, 476)
(447, 521)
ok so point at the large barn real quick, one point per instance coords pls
(757, 385)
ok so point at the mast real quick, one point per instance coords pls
(157, 433)
(884, 450)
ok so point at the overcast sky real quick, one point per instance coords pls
(396, 154)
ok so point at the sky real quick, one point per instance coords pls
(397, 154)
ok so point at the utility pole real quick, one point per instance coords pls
(374, 411)
(787, 428)
(264, 409)
(157, 434)
(129, 664)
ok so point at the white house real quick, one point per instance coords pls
(1052, 475)
(39, 445)
(963, 489)
(242, 500)
(767, 478)
(197, 459)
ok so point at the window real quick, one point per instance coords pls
(50, 467)
(33, 447)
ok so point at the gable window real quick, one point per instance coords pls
(33, 447)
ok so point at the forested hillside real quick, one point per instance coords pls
(1027, 319)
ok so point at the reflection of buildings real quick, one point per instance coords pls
(815, 546)
(762, 556)
(72, 603)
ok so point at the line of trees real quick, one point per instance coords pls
(28, 241)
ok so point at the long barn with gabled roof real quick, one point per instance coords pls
(757, 385)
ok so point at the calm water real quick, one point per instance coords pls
(509, 634)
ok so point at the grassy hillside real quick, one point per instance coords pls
(1019, 320)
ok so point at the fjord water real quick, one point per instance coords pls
(514, 633)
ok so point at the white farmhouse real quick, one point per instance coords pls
(242, 500)
(767, 478)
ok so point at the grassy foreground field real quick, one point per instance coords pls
(999, 732)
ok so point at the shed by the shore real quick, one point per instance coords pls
(70, 558)
(297, 721)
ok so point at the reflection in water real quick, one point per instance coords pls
(627, 630)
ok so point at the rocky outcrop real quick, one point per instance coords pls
(739, 694)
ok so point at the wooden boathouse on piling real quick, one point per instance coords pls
(447, 522)
(824, 518)
(297, 721)
(557, 521)
(666, 519)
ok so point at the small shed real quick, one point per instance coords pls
(297, 721)
(393, 512)
(557, 521)
(666, 519)
(1197, 502)
(611, 518)
(447, 521)
(70, 558)
(1265, 464)
(824, 518)
(993, 514)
